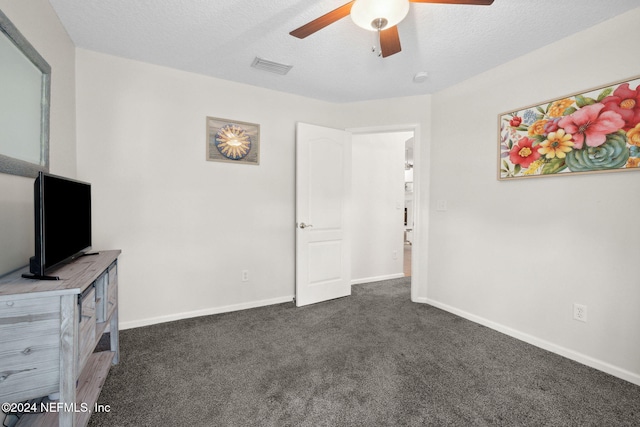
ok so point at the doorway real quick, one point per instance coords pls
(406, 201)
(408, 205)
(323, 190)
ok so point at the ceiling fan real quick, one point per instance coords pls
(376, 15)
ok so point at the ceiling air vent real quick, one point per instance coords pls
(272, 67)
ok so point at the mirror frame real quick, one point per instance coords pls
(9, 164)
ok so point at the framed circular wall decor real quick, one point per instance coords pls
(233, 141)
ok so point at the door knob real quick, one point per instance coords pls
(303, 225)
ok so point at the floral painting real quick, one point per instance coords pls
(595, 131)
(233, 141)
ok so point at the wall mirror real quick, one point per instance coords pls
(25, 83)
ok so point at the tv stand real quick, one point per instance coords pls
(38, 277)
(49, 330)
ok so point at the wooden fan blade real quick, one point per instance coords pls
(471, 2)
(323, 21)
(389, 41)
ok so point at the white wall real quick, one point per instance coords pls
(517, 255)
(188, 227)
(377, 201)
(39, 24)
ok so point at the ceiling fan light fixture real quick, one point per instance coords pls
(368, 14)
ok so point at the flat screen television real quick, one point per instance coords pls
(62, 223)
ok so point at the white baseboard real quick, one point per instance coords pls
(377, 278)
(546, 345)
(204, 312)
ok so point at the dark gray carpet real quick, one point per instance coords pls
(372, 359)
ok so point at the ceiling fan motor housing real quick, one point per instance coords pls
(379, 23)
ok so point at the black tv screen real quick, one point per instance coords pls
(62, 221)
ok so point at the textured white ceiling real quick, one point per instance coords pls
(221, 38)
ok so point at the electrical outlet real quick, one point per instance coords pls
(580, 312)
(395, 254)
(245, 275)
(441, 205)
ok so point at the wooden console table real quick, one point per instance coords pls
(48, 333)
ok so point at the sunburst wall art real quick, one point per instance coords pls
(593, 131)
(232, 141)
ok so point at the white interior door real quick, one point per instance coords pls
(323, 186)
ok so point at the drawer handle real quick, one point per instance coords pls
(27, 351)
(10, 303)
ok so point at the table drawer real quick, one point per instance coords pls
(30, 351)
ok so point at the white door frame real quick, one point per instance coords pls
(417, 251)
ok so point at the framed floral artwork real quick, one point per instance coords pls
(593, 131)
(233, 141)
